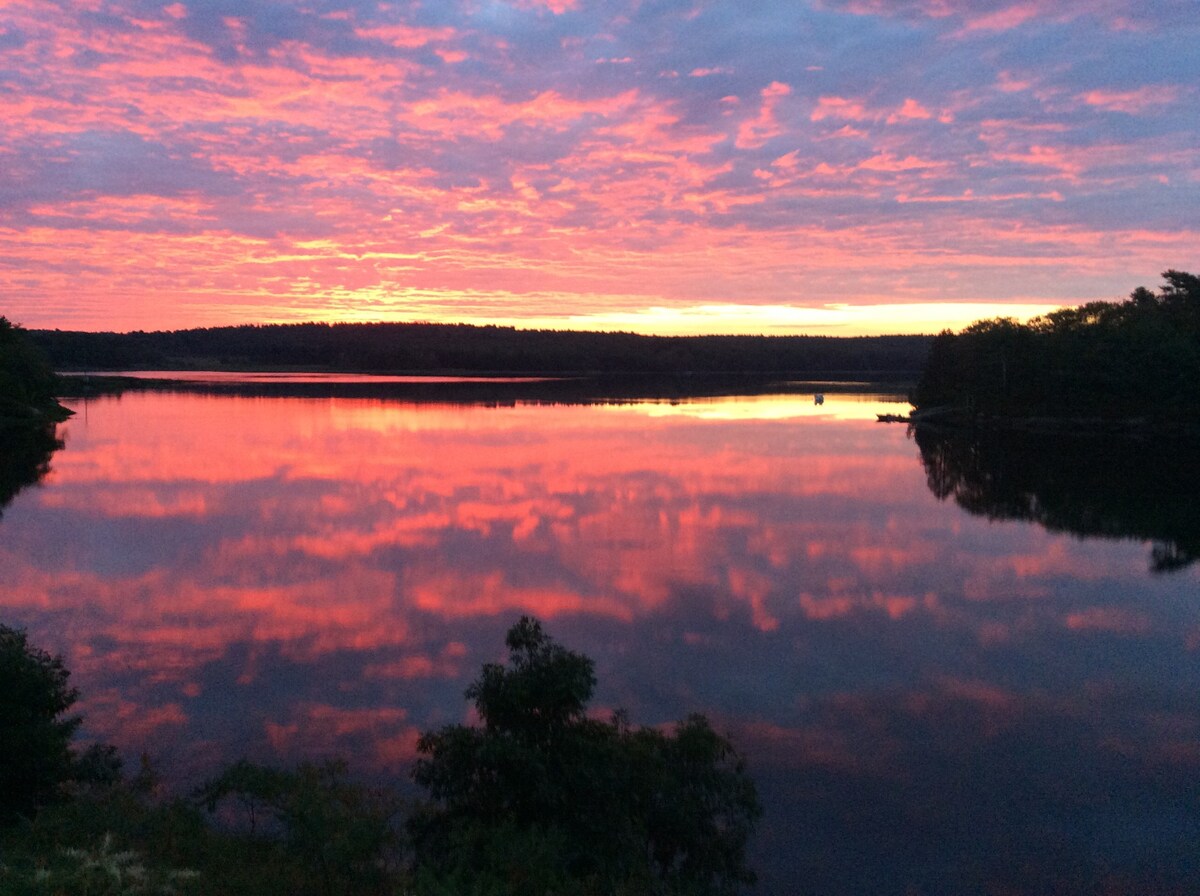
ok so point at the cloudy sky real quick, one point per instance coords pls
(830, 166)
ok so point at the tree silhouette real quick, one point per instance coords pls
(27, 381)
(28, 412)
(35, 732)
(542, 798)
(1103, 360)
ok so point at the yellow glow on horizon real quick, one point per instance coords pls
(648, 315)
(828, 320)
(835, 406)
(731, 319)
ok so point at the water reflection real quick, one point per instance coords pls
(24, 457)
(1142, 489)
(934, 702)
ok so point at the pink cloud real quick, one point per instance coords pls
(1131, 101)
(930, 8)
(1007, 82)
(911, 110)
(889, 162)
(983, 16)
(857, 109)
(558, 7)
(353, 172)
(406, 35)
(1002, 19)
(840, 108)
(758, 130)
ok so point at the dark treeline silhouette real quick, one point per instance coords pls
(1137, 359)
(443, 348)
(28, 383)
(1109, 488)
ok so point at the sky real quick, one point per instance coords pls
(662, 166)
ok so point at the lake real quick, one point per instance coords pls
(953, 667)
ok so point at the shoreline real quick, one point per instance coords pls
(960, 420)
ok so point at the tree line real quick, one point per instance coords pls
(464, 348)
(29, 411)
(28, 384)
(1136, 359)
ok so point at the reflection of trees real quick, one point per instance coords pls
(24, 457)
(1108, 488)
(494, 392)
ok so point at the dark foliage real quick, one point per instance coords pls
(76, 825)
(27, 381)
(339, 835)
(28, 412)
(125, 838)
(36, 761)
(460, 348)
(542, 798)
(1138, 358)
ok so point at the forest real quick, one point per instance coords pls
(29, 412)
(463, 348)
(1136, 361)
(28, 384)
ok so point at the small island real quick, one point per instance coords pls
(1131, 366)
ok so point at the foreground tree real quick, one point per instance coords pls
(35, 730)
(542, 798)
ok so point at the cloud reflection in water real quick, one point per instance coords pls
(926, 696)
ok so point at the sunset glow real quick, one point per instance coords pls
(824, 166)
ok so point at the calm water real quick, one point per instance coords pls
(931, 700)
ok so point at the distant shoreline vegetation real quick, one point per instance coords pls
(447, 349)
(1108, 366)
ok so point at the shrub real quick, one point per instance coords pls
(35, 730)
(542, 798)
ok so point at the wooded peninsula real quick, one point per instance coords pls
(1108, 364)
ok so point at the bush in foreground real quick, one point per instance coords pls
(542, 798)
(35, 728)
